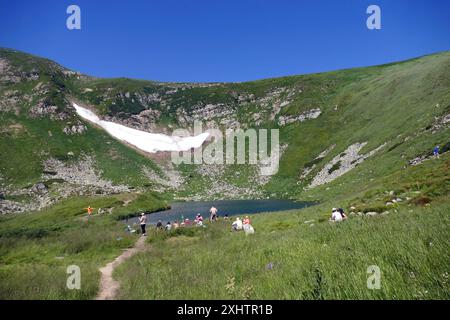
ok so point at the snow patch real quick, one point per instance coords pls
(145, 141)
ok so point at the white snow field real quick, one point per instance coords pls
(145, 141)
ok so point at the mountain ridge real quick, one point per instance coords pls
(352, 109)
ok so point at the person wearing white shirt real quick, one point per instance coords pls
(336, 215)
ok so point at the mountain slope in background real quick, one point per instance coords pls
(342, 133)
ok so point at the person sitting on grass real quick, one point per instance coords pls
(248, 229)
(237, 224)
(187, 222)
(198, 220)
(176, 225)
(168, 226)
(341, 211)
(159, 225)
(335, 215)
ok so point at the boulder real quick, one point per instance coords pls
(39, 188)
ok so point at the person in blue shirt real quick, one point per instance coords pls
(436, 152)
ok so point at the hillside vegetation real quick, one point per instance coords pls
(361, 139)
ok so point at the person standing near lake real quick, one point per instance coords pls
(89, 210)
(143, 221)
(213, 214)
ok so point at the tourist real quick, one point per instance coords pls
(436, 152)
(187, 222)
(176, 225)
(225, 217)
(237, 224)
(341, 211)
(246, 220)
(336, 215)
(143, 221)
(198, 220)
(159, 225)
(168, 226)
(89, 210)
(213, 214)
(248, 229)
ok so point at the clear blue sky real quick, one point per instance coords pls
(226, 40)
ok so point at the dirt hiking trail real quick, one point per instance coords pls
(108, 286)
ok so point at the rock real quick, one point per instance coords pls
(39, 188)
(371, 213)
(352, 208)
(307, 115)
(391, 193)
(399, 200)
(389, 203)
(352, 213)
(385, 212)
(74, 129)
(342, 163)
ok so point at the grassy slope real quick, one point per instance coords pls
(36, 248)
(375, 104)
(318, 260)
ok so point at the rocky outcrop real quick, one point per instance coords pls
(39, 188)
(342, 163)
(74, 129)
(307, 115)
(81, 173)
(167, 179)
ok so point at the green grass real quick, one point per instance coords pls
(322, 261)
(36, 248)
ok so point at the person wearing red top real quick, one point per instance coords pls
(246, 220)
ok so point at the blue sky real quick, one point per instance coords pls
(212, 40)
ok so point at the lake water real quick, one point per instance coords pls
(189, 209)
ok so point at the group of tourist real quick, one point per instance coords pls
(244, 225)
(237, 225)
